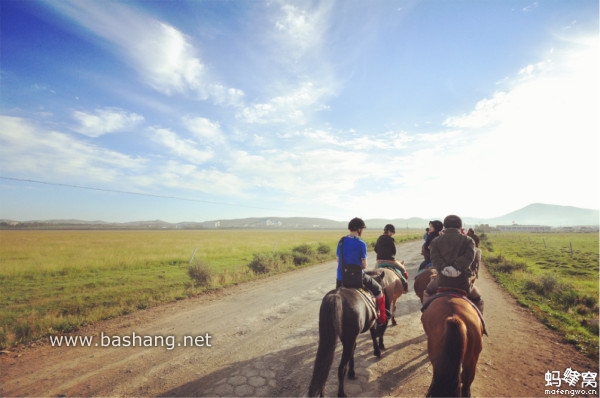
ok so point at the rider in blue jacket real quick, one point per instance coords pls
(355, 252)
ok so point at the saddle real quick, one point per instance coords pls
(447, 292)
(368, 297)
(394, 268)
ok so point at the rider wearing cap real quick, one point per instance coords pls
(355, 252)
(455, 258)
(386, 252)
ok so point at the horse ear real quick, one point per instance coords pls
(381, 275)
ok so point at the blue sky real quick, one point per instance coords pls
(204, 110)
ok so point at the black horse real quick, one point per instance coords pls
(344, 314)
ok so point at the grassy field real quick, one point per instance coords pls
(57, 281)
(555, 275)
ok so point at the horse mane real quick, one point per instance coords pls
(376, 274)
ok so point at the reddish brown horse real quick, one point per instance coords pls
(454, 341)
(422, 280)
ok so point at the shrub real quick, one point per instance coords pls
(301, 258)
(303, 249)
(23, 331)
(323, 249)
(3, 338)
(263, 263)
(286, 257)
(549, 284)
(501, 264)
(200, 273)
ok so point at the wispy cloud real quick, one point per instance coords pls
(161, 54)
(204, 129)
(104, 121)
(185, 149)
(300, 30)
(32, 150)
(289, 108)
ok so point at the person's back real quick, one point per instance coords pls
(353, 250)
(385, 247)
(454, 256)
(472, 235)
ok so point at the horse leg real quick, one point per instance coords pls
(467, 377)
(469, 367)
(377, 330)
(347, 357)
(394, 311)
(351, 374)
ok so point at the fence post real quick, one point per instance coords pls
(571, 244)
(193, 254)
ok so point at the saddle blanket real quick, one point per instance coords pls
(393, 268)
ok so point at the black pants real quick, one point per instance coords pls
(369, 283)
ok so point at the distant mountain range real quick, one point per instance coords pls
(534, 214)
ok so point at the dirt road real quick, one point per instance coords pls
(260, 339)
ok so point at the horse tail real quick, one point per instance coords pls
(446, 374)
(330, 328)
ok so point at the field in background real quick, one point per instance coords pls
(555, 275)
(57, 281)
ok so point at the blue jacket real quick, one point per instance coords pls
(355, 250)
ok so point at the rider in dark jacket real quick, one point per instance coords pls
(435, 227)
(456, 260)
(385, 247)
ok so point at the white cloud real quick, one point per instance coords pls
(290, 108)
(204, 129)
(163, 55)
(184, 149)
(300, 30)
(104, 121)
(27, 149)
(535, 141)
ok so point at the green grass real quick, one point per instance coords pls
(57, 281)
(554, 275)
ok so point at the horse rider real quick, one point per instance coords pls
(456, 260)
(386, 253)
(355, 252)
(435, 227)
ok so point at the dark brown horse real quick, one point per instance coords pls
(422, 280)
(454, 342)
(344, 314)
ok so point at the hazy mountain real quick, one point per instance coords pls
(544, 214)
(534, 214)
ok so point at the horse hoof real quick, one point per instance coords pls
(377, 353)
(351, 375)
(381, 346)
(394, 323)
